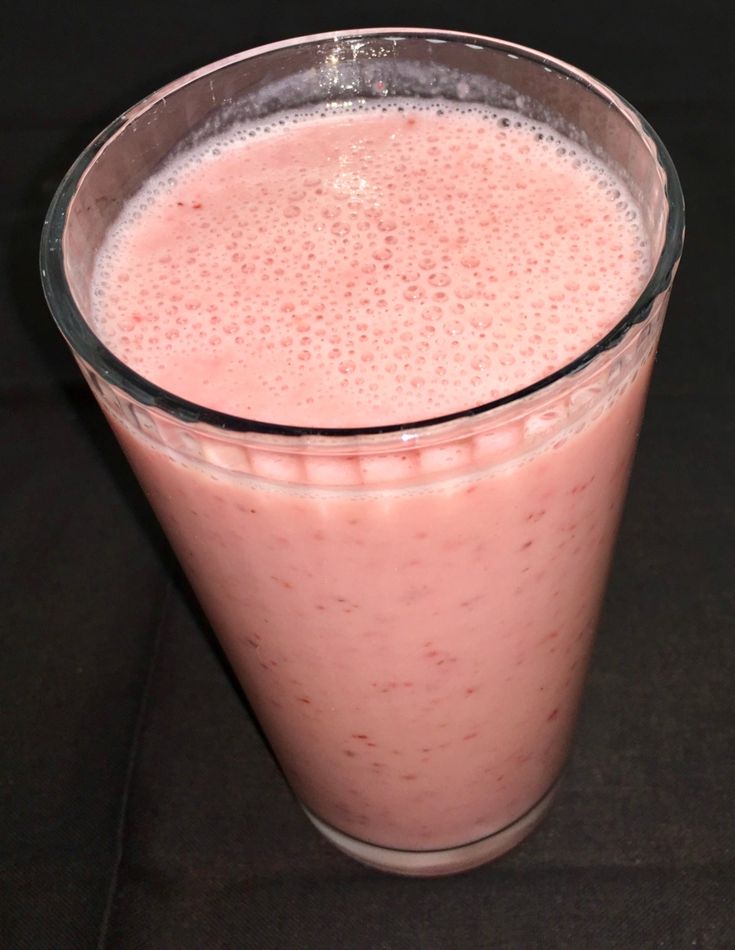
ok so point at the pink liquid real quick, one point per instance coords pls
(411, 626)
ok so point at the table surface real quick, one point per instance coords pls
(139, 806)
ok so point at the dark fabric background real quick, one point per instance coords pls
(139, 807)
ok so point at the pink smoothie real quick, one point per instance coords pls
(410, 620)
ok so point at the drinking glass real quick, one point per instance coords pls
(409, 607)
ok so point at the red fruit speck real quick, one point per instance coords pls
(287, 585)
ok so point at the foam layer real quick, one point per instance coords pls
(369, 265)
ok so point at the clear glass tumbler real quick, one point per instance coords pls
(409, 608)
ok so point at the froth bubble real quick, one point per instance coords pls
(432, 313)
(414, 292)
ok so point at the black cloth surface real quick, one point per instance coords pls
(139, 805)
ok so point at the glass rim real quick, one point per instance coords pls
(90, 349)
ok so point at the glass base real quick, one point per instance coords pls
(444, 861)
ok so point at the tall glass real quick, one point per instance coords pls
(409, 608)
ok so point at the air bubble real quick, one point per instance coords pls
(432, 313)
(470, 261)
(414, 292)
